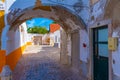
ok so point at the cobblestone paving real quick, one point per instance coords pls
(42, 63)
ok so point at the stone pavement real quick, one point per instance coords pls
(43, 63)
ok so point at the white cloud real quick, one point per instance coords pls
(31, 23)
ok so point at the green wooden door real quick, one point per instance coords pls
(100, 53)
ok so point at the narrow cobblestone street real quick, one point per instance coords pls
(43, 63)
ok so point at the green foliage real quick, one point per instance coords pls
(54, 22)
(38, 30)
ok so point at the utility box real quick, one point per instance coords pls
(112, 43)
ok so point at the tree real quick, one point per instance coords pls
(36, 29)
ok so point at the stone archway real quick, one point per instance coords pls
(59, 14)
(69, 21)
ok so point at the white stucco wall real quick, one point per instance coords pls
(30, 36)
(84, 51)
(97, 10)
(10, 42)
(54, 36)
(85, 12)
(24, 36)
(57, 34)
(4, 37)
(116, 54)
(16, 38)
(8, 4)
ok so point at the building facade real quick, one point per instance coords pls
(90, 36)
(55, 35)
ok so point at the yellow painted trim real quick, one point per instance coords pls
(13, 58)
(2, 23)
(29, 43)
(3, 0)
(2, 59)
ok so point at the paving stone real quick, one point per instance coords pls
(42, 63)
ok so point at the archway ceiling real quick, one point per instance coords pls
(68, 20)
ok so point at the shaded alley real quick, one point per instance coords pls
(42, 63)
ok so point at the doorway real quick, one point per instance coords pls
(100, 53)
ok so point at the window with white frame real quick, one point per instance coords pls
(55, 38)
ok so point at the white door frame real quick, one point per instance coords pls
(96, 25)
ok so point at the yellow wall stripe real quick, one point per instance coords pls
(13, 58)
(29, 43)
(2, 59)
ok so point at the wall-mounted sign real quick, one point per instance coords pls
(2, 5)
(112, 43)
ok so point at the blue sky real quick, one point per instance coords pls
(44, 22)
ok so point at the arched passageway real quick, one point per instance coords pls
(69, 21)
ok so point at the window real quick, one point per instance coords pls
(59, 39)
(55, 38)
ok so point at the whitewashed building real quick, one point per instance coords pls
(55, 35)
(90, 36)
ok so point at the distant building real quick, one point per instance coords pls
(36, 38)
(55, 35)
(39, 39)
